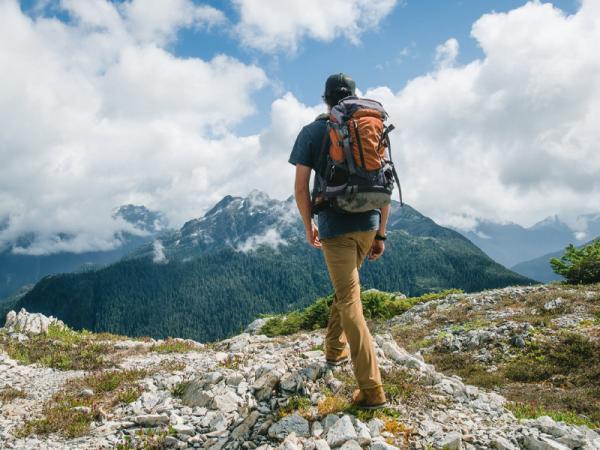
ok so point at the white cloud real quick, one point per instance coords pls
(512, 136)
(273, 25)
(93, 119)
(270, 238)
(446, 53)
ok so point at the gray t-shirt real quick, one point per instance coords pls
(307, 151)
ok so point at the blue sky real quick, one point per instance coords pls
(402, 47)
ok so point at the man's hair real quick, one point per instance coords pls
(337, 87)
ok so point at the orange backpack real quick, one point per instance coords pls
(359, 173)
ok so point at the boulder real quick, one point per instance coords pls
(30, 323)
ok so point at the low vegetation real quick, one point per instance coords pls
(71, 411)
(62, 348)
(376, 305)
(8, 394)
(171, 345)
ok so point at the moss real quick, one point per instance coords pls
(148, 439)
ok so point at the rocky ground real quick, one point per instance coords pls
(252, 391)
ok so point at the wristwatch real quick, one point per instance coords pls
(379, 237)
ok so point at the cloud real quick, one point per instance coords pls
(270, 238)
(115, 118)
(158, 256)
(273, 25)
(445, 54)
(110, 120)
(511, 136)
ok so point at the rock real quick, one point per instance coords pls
(290, 443)
(294, 423)
(340, 432)
(351, 445)
(543, 443)
(503, 444)
(321, 444)
(451, 441)
(83, 409)
(375, 425)
(227, 402)
(382, 445)
(255, 326)
(30, 323)
(243, 429)
(517, 341)
(399, 355)
(317, 429)
(263, 386)
(554, 304)
(183, 429)
(86, 393)
(151, 420)
(364, 436)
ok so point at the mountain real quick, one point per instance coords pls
(511, 243)
(539, 268)
(248, 256)
(19, 270)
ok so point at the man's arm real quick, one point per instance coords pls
(378, 247)
(302, 194)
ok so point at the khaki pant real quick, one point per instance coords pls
(344, 255)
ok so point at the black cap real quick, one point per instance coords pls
(337, 87)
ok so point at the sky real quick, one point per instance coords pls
(173, 105)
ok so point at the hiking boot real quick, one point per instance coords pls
(339, 360)
(373, 398)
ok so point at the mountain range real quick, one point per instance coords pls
(245, 257)
(511, 244)
(20, 269)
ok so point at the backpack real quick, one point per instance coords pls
(359, 173)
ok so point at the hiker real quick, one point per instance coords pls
(347, 236)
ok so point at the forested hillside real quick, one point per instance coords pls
(213, 293)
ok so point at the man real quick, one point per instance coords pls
(346, 239)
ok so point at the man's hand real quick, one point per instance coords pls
(377, 249)
(312, 236)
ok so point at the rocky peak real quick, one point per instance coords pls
(142, 218)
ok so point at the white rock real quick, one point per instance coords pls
(504, 444)
(351, 445)
(364, 436)
(451, 441)
(381, 445)
(294, 423)
(341, 432)
(30, 323)
(321, 444)
(151, 420)
(375, 425)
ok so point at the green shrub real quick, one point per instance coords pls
(579, 265)
(376, 305)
